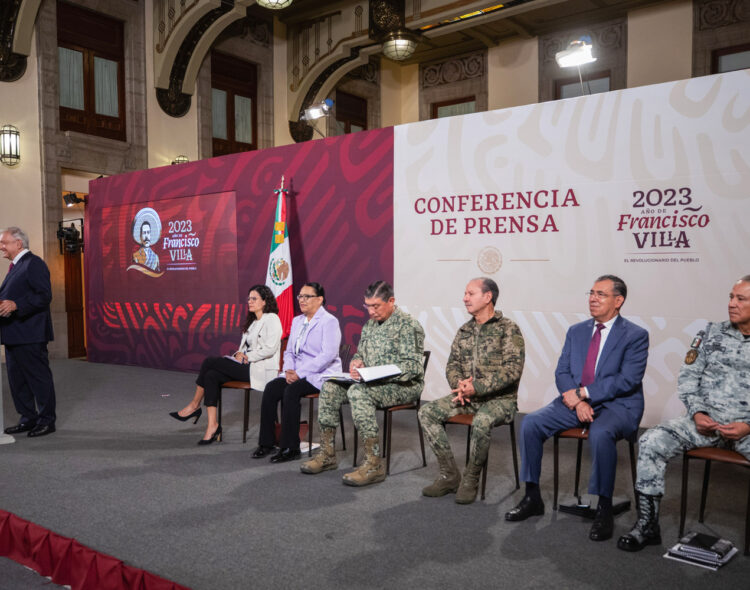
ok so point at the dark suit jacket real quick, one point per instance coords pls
(621, 366)
(28, 285)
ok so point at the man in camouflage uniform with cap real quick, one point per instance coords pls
(391, 336)
(714, 385)
(483, 371)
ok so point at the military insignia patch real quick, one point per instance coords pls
(690, 357)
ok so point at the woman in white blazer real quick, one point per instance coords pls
(256, 360)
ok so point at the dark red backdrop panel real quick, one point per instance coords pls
(340, 227)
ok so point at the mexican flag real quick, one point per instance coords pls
(279, 273)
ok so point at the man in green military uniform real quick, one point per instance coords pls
(483, 371)
(714, 385)
(391, 336)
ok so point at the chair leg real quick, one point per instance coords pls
(633, 471)
(421, 443)
(246, 417)
(386, 419)
(683, 496)
(310, 425)
(578, 469)
(218, 409)
(341, 423)
(555, 470)
(747, 523)
(484, 472)
(468, 444)
(704, 491)
(515, 454)
(387, 424)
(356, 446)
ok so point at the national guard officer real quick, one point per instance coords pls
(714, 385)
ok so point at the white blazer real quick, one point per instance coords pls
(261, 343)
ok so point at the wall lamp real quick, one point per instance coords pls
(180, 160)
(72, 198)
(274, 4)
(10, 145)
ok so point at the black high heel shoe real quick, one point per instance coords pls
(214, 437)
(196, 415)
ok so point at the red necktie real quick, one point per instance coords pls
(589, 368)
(10, 268)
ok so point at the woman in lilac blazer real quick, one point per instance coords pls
(312, 351)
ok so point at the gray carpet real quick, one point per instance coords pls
(124, 478)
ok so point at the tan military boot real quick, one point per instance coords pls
(467, 491)
(372, 469)
(448, 479)
(326, 457)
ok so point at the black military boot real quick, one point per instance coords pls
(646, 529)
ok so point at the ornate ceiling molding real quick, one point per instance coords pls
(16, 27)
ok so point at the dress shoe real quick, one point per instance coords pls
(20, 427)
(262, 451)
(604, 525)
(214, 437)
(285, 455)
(196, 415)
(41, 430)
(527, 507)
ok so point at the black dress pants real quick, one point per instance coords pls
(214, 372)
(31, 383)
(289, 394)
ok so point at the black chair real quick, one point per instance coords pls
(243, 386)
(580, 509)
(709, 454)
(468, 420)
(344, 355)
(388, 425)
(246, 387)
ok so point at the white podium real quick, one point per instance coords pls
(4, 438)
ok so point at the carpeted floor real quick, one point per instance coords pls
(124, 478)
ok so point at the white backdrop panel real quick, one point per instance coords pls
(650, 184)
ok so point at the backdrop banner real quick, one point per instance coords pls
(171, 252)
(649, 184)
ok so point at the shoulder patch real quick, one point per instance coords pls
(691, 355)
(518, 341)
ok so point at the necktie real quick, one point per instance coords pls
(10, 268)
(589, 368)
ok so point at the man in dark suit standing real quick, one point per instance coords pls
(25, 330)
(599, 378)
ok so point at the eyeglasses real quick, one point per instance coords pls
(598, 294)
(253, 298)
(373, 307)
(305, 296)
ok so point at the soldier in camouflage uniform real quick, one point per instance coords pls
(483, 371)
(391, 336)
(714, 385)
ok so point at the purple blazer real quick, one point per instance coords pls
(319, 348)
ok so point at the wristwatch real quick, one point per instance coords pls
(578, 392)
